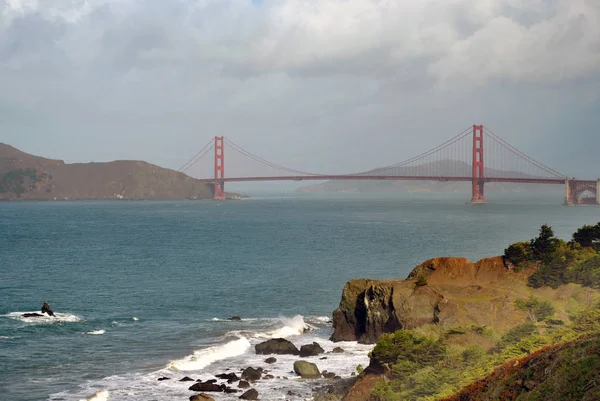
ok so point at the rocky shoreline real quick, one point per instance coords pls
(242, 382)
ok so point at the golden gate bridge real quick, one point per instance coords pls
(462, 158)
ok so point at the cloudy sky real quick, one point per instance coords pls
(319, 85)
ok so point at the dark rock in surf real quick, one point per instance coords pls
(160, 379)
(243, 384)
(279, 346)
(186, 379)
(270, 360)
(251, 374)
(329, 375)
(251, 394)
(235, 318)
(313, 349)
(230, 377)
(338, 350)
(207, 387)
(201, 397)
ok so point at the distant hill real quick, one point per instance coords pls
(439, 168)
(24, 176)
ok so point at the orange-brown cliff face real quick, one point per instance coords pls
(448, 291)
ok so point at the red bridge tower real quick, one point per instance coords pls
(478, 166)
(219, 184)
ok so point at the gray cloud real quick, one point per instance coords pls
(377, 80)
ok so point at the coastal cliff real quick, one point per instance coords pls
(448, 291)
(451, 321)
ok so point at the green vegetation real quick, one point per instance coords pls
(418, 367)
(557, 262)
(18, 181)
(433, 362)
(536, 309)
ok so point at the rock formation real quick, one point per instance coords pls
(448, 291)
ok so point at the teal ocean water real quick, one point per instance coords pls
(144, 289)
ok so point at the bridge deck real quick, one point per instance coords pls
(555, 181)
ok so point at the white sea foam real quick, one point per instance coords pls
(291, 327)
(135, 319)
(204, 357)
(7, 337)
(231, 356)
(44, 319)
(96, 332)
(99, 396)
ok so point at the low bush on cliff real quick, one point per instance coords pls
(421, 368)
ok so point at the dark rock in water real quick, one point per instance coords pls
(251, 394)
(251, 374)
(230, 377)
(32, 315)
(243, 384)
(235, 318)
(186, 379)
(306, 370)
(271, 360)
(163, 378)
(338, 350)
(329, 375)
(212, 381)
(277, 346)
(313, 349)
(207, 387)
(229, 390)
(290, 393)
(322, 358)
(267, 377)
(201, 397)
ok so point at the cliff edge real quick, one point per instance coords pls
(448, 291)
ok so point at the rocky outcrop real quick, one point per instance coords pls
(313, 349)
(448, 291)
(277, 346)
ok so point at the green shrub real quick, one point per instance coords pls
(519, 254)
(536, 308)
(587, 272)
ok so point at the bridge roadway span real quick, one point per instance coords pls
(317, 177)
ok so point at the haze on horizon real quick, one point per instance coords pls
(327, 86)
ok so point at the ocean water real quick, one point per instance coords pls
(143, 290)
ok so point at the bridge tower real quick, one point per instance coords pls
(219, 184)
(478, 166)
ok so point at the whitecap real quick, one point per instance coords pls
(101, 395)
(291, 327)
(135, 319)
(204, 357)
(96, 332)
(45, 318)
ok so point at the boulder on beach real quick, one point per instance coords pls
(306, 370)
(251, 374)
(230, 377)
(207, 387)
(243, 384)
(251, 394)
(201, 397)
(313, 349)
(279, 346)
